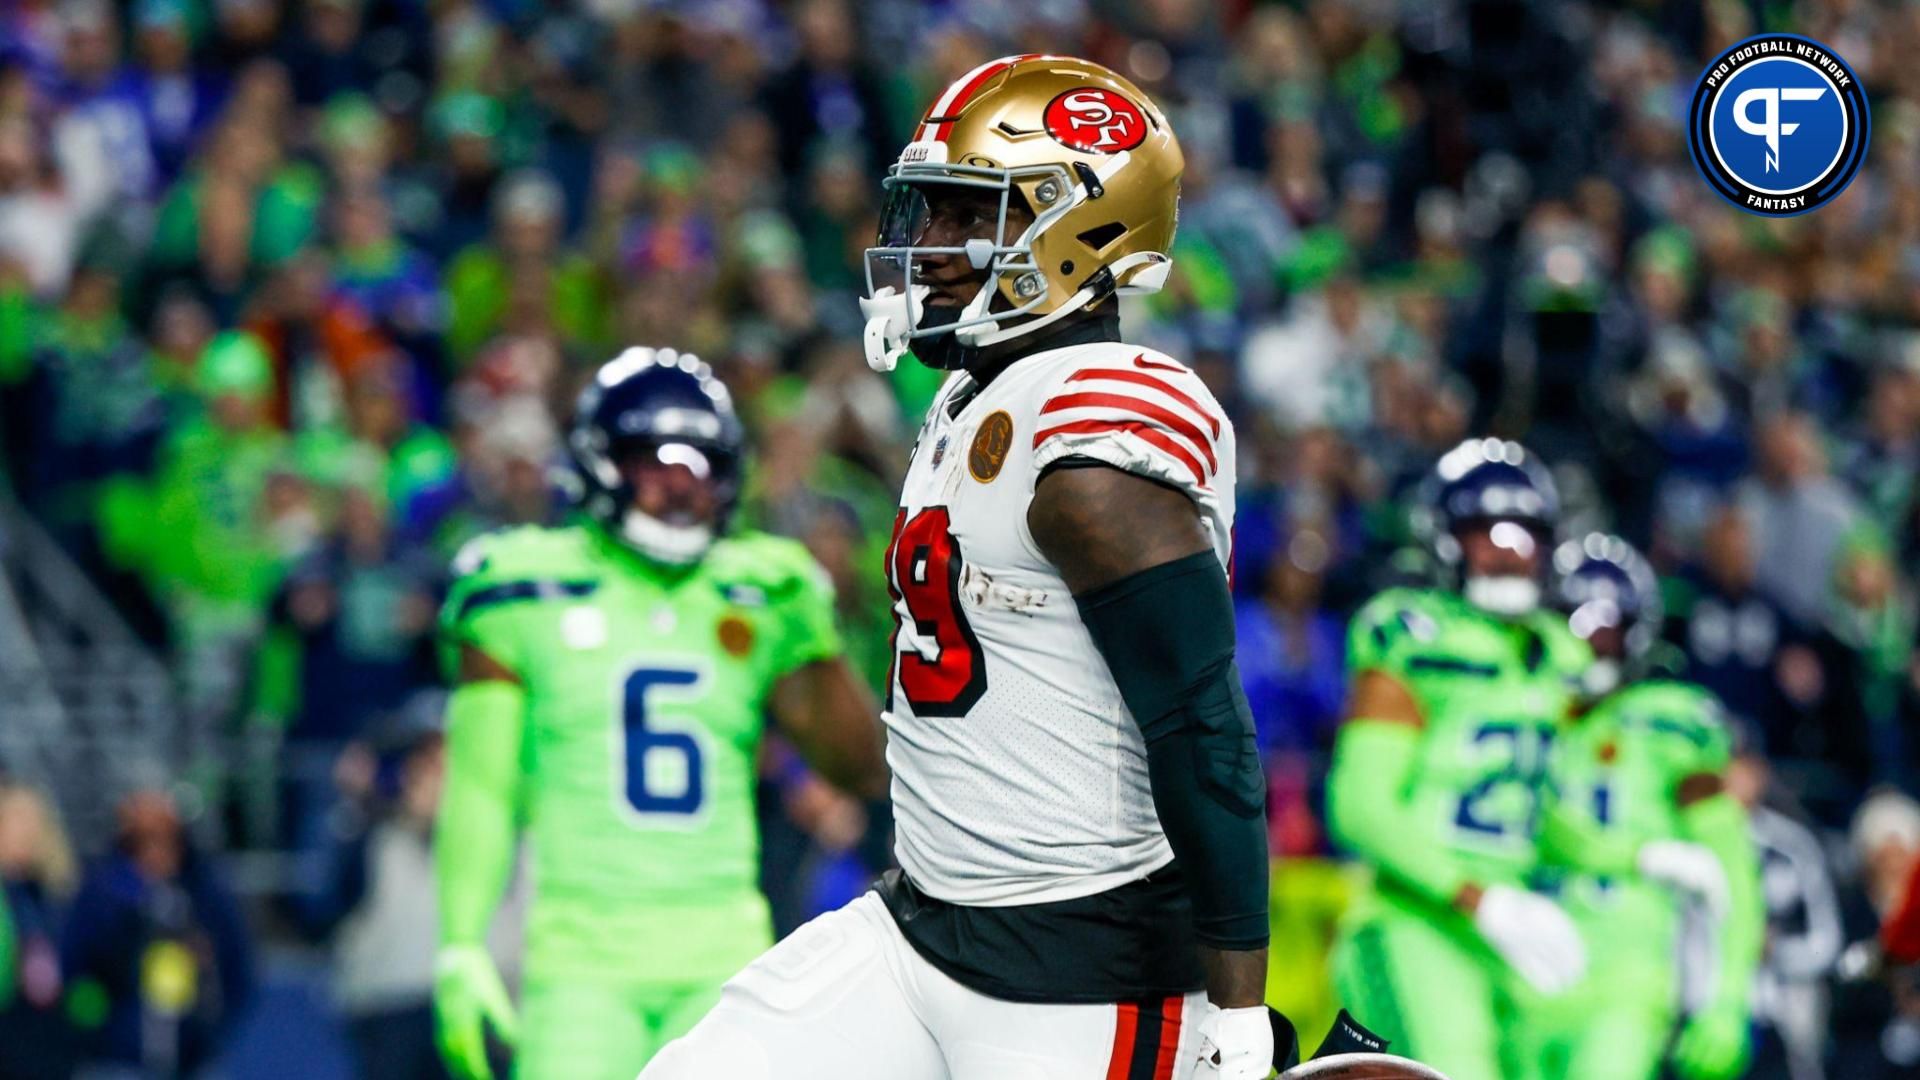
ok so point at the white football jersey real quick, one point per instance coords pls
(1019, 776)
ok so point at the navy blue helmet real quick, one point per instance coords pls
(656, 406)
(1602, 583)
(1484, 480)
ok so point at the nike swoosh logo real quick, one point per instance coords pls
(1141, 361)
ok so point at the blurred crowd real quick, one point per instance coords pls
(294, 295)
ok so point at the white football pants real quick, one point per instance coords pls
(846, 998)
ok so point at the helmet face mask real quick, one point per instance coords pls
(1071, 143)
(896, 266)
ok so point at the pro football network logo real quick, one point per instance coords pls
(1778, 125)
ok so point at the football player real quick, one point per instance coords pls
(1457, 693)
(612, 675)
(1078, 797)
(1642, 767)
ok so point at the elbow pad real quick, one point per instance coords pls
(1166, 634)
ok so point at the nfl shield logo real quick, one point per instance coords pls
(939, 451)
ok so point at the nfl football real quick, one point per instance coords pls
(1361, 1067)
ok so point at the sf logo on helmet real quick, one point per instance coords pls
(1778, 125)
(1095, 120)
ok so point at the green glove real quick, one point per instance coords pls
(1712, 1045)
(467, 997)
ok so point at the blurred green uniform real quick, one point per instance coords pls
(644, 691)
(1493, 694)
(1618, 770)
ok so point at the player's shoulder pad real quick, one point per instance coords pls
(1681, 709)
(520, 551)
(756, 569)
(1396, 619)
(1133, 408)
(1565, 650)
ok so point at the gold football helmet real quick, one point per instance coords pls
(1097, 165)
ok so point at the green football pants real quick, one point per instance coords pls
(583, 1030)
(1614, 1026)
(1441, 998)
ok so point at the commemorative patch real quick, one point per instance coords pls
(988, 454)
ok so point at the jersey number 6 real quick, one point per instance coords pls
(676, 784)
(943, 675)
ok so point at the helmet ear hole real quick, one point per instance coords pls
(1100, 236)
(1067, 267)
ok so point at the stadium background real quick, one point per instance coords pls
(293, 297)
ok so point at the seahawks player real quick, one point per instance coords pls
(612, 675)
(1643, 766)
(1082, 892)
(1457, 694)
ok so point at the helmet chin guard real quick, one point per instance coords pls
(891, 315)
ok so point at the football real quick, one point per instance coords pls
(1361, 1067)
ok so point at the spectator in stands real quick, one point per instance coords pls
(1799, 516)
(36, 880)
(395, 284)
(505, 449)
(177, 100)
(525, 278)
(40, 221)
(1877, 1028)
(1739, 642)
(1792, 997)
(379, 905)
(95, 84)
(155, 950)
(349, 639)
(1292, 652)
(218, 519)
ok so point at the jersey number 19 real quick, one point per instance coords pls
(923, 572)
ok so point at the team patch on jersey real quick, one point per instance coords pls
(990, 445)
(736, 635)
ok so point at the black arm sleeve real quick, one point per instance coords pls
(1167, 636)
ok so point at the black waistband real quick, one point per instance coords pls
(1134, 941)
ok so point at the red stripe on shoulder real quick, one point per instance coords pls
(1139, 378)
(1145, 432)
(1126, 1021)
(1166, 417)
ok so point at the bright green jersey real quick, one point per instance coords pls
(645, 691)
(1617, 769)
(1493, 693)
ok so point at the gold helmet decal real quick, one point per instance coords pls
(1090, 157)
